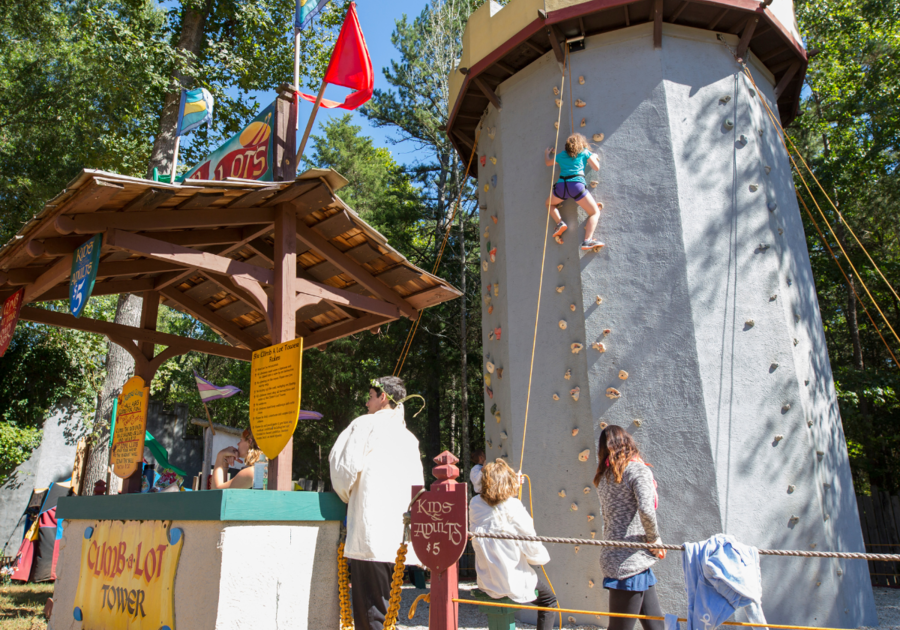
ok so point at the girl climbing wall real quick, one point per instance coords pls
(571, 185)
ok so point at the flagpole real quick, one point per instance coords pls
(309, 125)
(174, 160)
(208, 417)
(297, 72)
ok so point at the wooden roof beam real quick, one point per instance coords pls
(487, 91)
(678, 11)
(786, 78)
(208, 317)
(354, 269)
(342, 298)
(57, 272)
(61, 291)
(96, 222)
(747, 35)
(327, 334)
(64, 320)
(555, 36)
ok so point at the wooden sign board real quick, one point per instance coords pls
(9, 317)
(275, 395)
(439, 526)
(131, 426)
(127, 576)
(85, 261)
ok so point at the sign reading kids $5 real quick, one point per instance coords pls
(127, 576)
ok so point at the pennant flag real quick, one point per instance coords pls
(208, 391)
(309, 415)
(350, 66)
(196, 109)
(306, 11)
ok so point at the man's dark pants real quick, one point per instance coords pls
(370, 592)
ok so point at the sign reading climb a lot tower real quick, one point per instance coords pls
(275, 395)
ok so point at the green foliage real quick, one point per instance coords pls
(16, 445)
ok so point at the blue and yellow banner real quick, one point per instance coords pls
(85, 261)
(306, 11)
(196, 108)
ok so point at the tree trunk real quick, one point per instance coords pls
(463, 358)
(191, 39)
(119, 367)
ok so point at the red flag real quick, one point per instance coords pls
(350, 65)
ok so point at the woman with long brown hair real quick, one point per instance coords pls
(628, 500)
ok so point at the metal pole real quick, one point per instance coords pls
(174, 160)
(309, 125)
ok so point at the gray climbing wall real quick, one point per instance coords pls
(710, 307)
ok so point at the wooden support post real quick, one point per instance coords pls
(786, 79)
(747, 35)
(284, 325)
(444, 612)
(487, 91)
(657, 23)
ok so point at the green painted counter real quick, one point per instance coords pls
(210, 505)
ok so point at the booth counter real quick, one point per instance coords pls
(227, 559)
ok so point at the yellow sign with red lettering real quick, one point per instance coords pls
(275, 395)
(127, 576)
(131, 426)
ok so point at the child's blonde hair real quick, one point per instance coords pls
(575, 144)
(498, 482)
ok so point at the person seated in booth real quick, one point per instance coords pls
(503, 567)
(248, 451)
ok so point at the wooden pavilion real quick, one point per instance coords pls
(261, 263)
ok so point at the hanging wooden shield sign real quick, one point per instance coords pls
(438, 526)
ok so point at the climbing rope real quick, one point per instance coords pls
(600, 613)
(875, 557)
(437, 263)
(344, 586)
(547, 577)
(425, 597)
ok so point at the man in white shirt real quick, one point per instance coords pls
(374, 464)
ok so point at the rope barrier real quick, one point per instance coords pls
(600, 613)
(848, 555)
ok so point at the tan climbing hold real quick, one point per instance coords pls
(590, 583)
(491, 131)
(574, 507)
(598, 137)
(490, 367)
(555, 396)
(586, 490)
(571, 619)
(603, 425)
(556, 125)
(598, 300)
(638, 422)
(487, 299)
(594, 184)
(559, 267)
(562, 324)
(612, 393)
(558, 240)
(786, 407)
(499, 372)
(575, 393)
(558, 103)
(574, 432)
(487, 233)
(581, 80)
(497, 417)
(749, 323)
(590, 517)
(496, 289)
(579, 103)
(606, 331)
(562, 493)
(623, 375)
(584, 122)
(576, 347)
(567, 375)
(572, 307)
(484, 265)
(491, 336)
(561, 288)
(556, 90)
(503, 435)
(778, 438)
(584, 455)
(577, 548)
(494, 161)
(593, 534)
(599, 347)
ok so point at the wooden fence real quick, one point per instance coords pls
(879, 516)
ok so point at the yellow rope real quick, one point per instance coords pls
(629, 616)
(344, 590)
(393, 611)
(425, 597)
(531, 511)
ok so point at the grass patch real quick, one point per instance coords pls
(22, 605)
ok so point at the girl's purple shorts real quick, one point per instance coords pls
(569, 190)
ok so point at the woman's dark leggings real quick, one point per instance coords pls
(545, 619)
(634, 603)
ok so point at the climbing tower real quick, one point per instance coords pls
(697, 327)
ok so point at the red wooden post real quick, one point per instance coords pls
(444, 612)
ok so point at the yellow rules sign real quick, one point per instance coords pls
(131, 424)
(127, 576)
(275, 395)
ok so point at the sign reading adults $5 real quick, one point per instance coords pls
(438, 526)
(131, 427)
(275, 395)
(127, 576)
(85, 261)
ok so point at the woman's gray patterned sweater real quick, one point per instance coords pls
(629, 515)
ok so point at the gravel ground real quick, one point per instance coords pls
(887, 600)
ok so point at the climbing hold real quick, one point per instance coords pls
(579, 103)
(572, 307)
(638, 422)
(497, 417)
(768, 169)
(826, 485)
(752, 92)
(556, 90)
(773, 297)
(583, 122)
(606, 331)
(576, 347)
(623, 375)
(598, 300)
(574, 507)
(486, 188)
(778, 438)
(560, 288)
(492, 254)
(590, 583)
(555, 396)
(590, 517)
(594, 184)
(581, 80)
(593, 534)
(494, 161)
(490, 367)
(749, 323)
(562, 324)
(494, 219)
(496, 289)
(725, 98)
(825, 518)
(483, 160)
(487, 379)
(498, 331)
(499, 372)
(599, 347)
(786, 407)
(571, 619)
(494, 180)
(729, 124)
(558, 103)
(490, 392)
(490, 309)
(586, 490)
(773, 367)
(494, 408)
(603, 425)
(772, 206)
(503, 435)
(556, 125)
(577, 548)
(813, 546)
(489, 443)
(796, 341)
(487, 298)
(491, 131)
(794, 519)
(559, 267)
(612, 393)
(484, 265)
(806, 382)
(567, 375)
(754, 187)
(839, 571)
(575, 393)
(562, 493)
(820, 455)
(584, 455)
(558, 240)
(791, 489)
(809, 423)
(489, 287)
(574, 432)
(760, 131)
(780, 231)
(487, 232)
(598, 137)
(491, 335)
